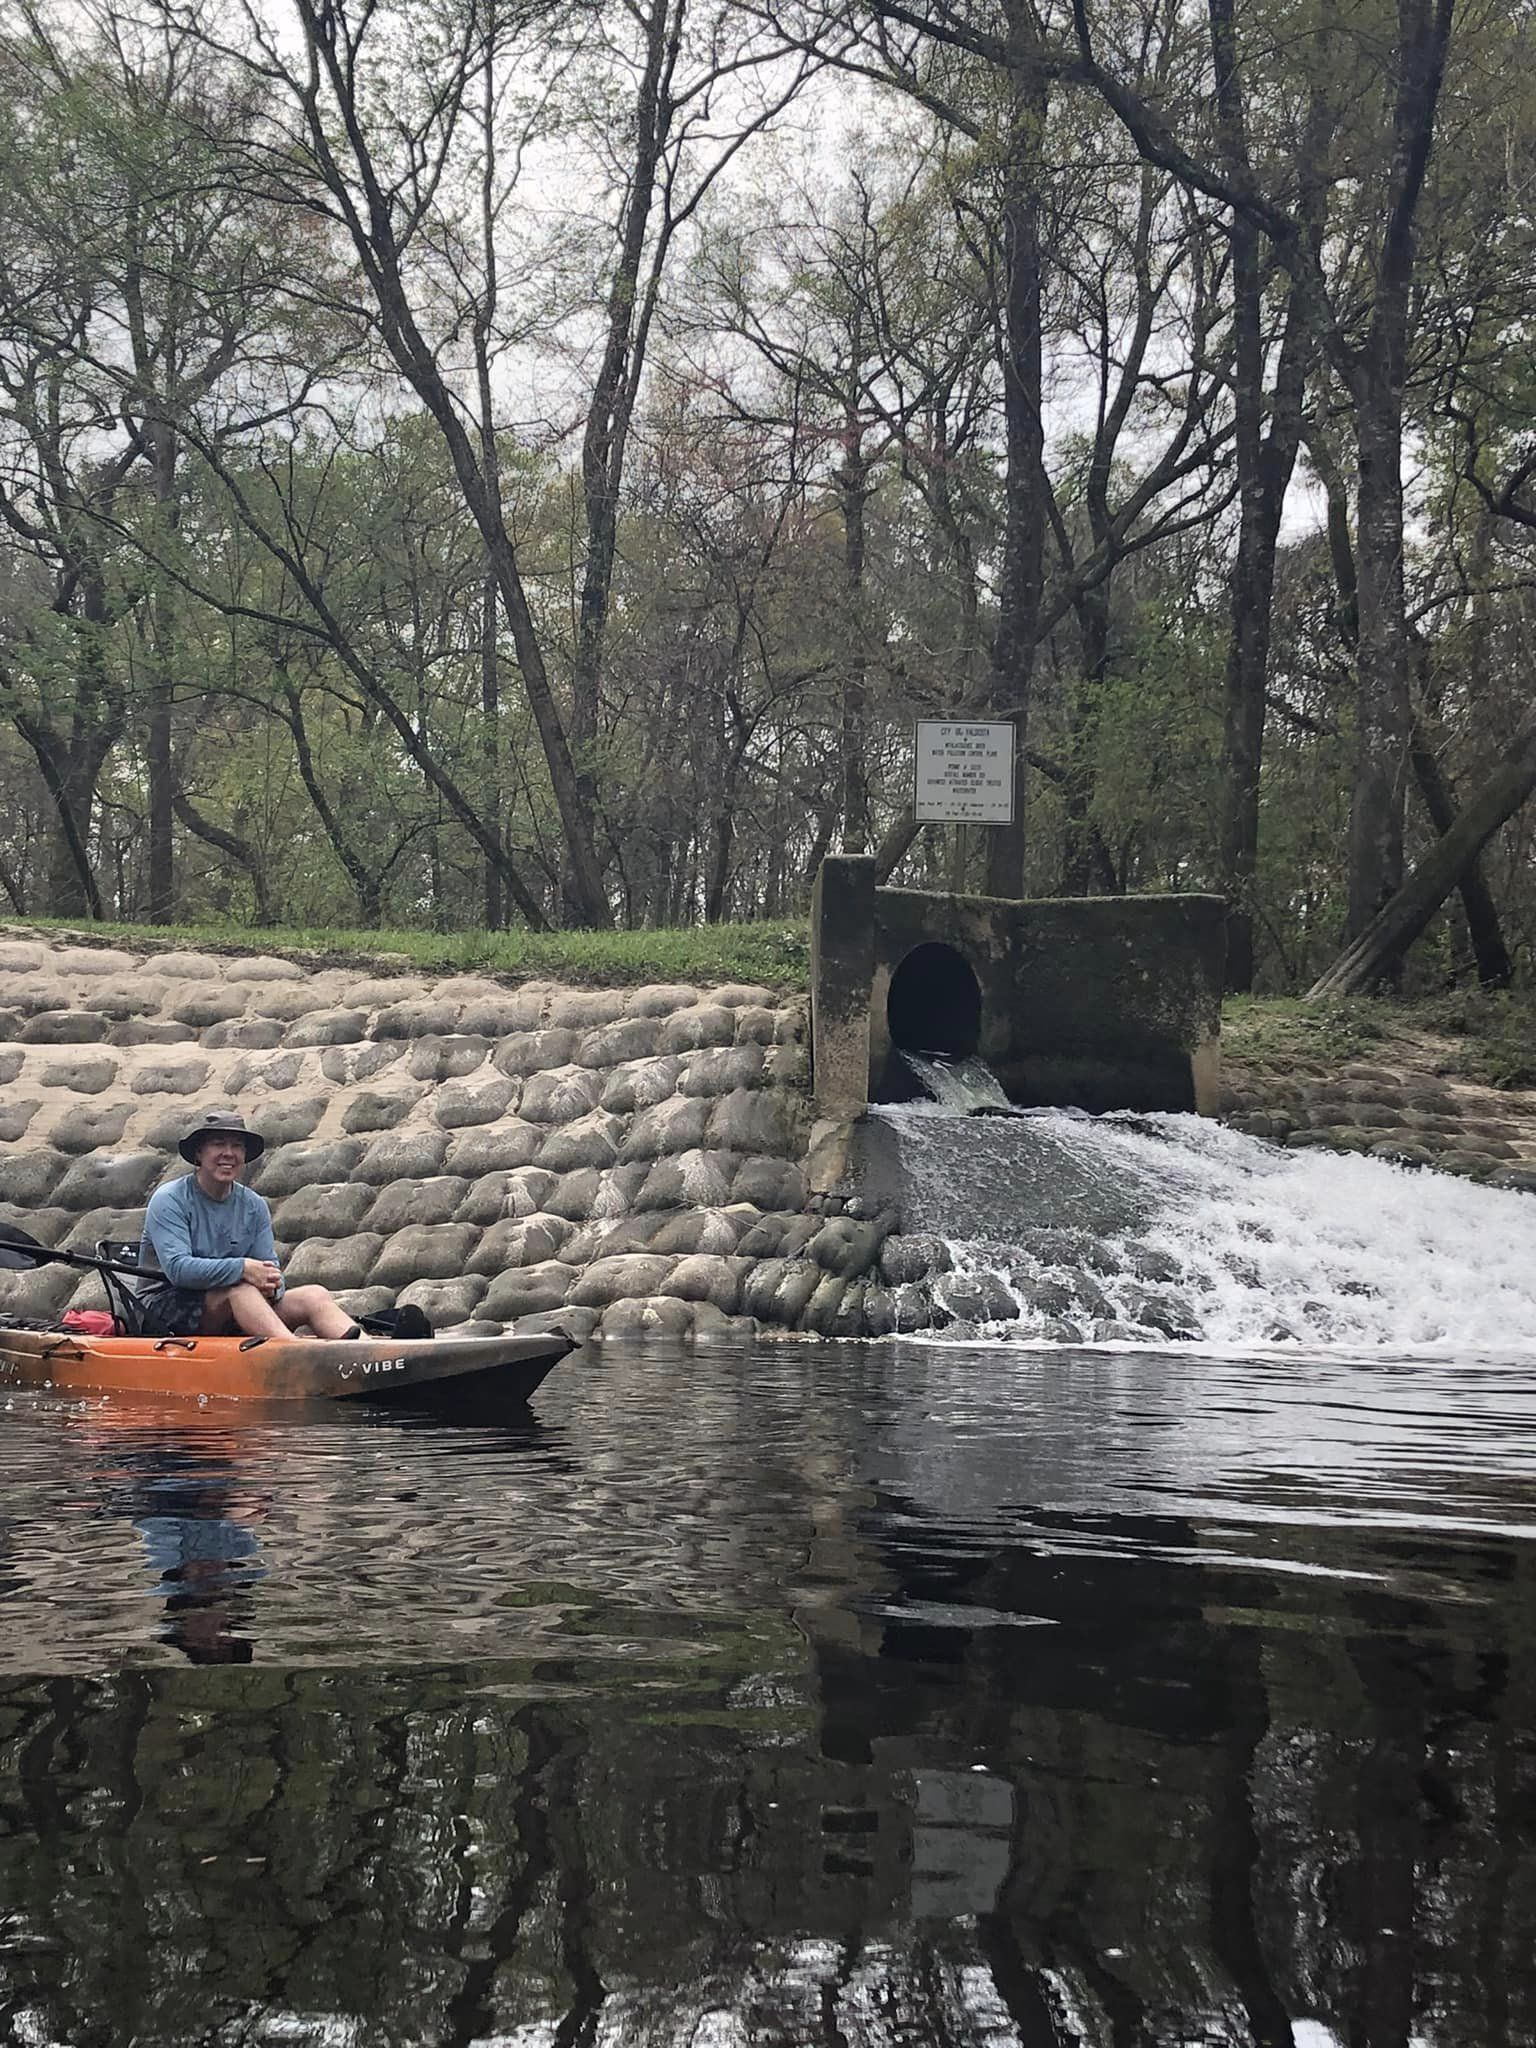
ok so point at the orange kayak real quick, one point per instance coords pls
(509, 1367)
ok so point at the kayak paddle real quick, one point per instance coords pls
(20, 1253)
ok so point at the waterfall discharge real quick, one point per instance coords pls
(1129, 1228)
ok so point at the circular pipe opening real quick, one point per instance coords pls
(934, 1004)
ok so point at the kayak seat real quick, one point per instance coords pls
(122, 1289)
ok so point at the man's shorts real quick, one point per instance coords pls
(167, 1311)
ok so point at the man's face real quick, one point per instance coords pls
(220, 1160)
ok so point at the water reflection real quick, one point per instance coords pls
(197, 1511)
(859, 1769)
(198, 1495)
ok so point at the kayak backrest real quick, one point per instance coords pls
(123, 1289)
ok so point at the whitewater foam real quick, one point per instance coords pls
(1135, 1229)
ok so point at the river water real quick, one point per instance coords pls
(877, 1694)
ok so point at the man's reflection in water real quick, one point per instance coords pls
(198, 1515)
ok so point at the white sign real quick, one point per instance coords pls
(964, 772)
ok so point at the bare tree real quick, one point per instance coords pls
(1362, 322)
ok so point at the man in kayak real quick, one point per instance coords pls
(209, 1254)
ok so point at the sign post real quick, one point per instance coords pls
(963, 772)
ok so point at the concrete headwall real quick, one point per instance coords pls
(1103, 1002)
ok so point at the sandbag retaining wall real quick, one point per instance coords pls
(630, 1158)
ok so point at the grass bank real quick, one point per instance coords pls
(776, 956)
(1476, 1035)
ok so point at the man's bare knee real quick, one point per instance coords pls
(318, 1308)
(248, 1309)
(218, 1315)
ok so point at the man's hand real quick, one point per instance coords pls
(261, 1273)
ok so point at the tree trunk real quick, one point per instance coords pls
(72, 890)
(490, 705)
(609, 415)
(71, 753)
(1099, 865)
(1483, 928)
(70, 770)
(1264, 467)
(1382, 709)
(162, 814)
(1377, 376)
(490, 457)
(366, 882)
(718, 882)
(1494, 967)
(1079, 865)
(1021, 572)
(1247, 665)
(853, 493)
(1377, 952)
(234, 848)
(821, 845)
(897, 843)
(162, 638)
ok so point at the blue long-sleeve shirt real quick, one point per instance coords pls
(199, 1243)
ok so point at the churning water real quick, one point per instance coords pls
(1137, 1228)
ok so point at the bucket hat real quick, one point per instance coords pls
(220, 1123)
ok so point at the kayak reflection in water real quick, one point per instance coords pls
(198, 1517)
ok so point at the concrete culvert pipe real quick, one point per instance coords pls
(934, 1004)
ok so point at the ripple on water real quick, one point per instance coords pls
(658, 1485)
(858, 1693)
